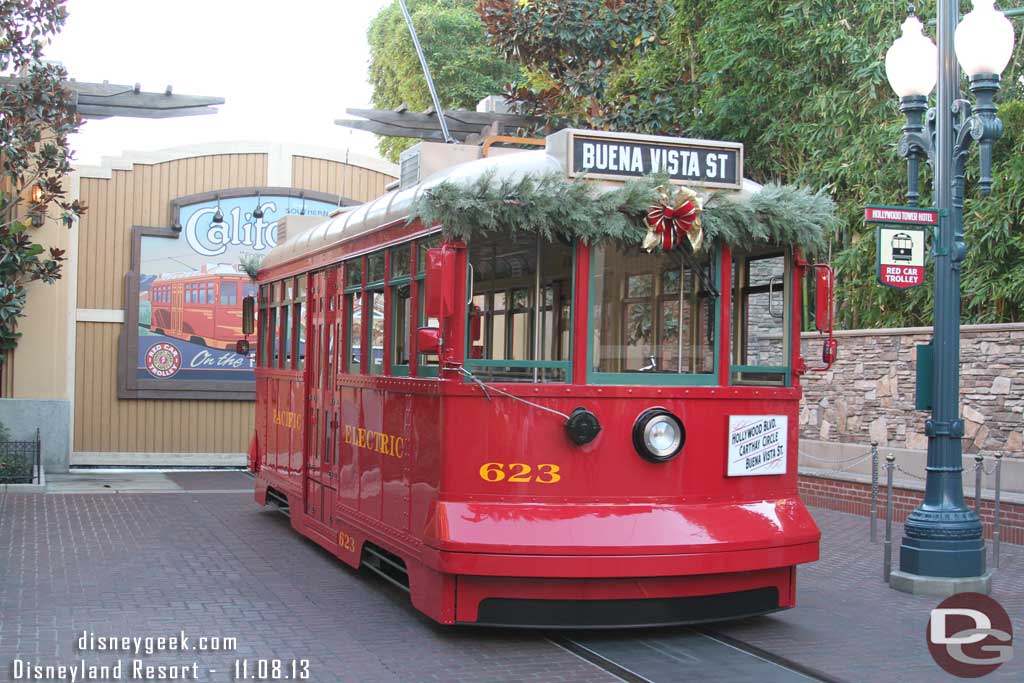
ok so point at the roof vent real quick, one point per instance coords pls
(423, 160)
(409, 165)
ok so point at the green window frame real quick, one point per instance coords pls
(287, 323)
(425, 367)
(653, 379)
(399, 283)
(536, 299)
(758, 375)
(353, 291)
(299, 320)
(264, 317)
(376, 283)
(274, 352)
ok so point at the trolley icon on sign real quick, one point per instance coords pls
(902, 247)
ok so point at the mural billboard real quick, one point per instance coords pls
(186, 290)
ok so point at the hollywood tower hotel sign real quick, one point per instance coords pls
(184, 292)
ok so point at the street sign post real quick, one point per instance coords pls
(900, 241)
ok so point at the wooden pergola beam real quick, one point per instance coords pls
(462, 124)
(104, 100)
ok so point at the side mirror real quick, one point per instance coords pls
(824, 290)
(248, 315)
(824, 305)
(439, 294)
(242, 347)
(428, 340)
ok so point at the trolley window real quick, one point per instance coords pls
(400, 284)
(229, 293)
(520, 314)
(262, 338)
(299, 313)
(760, 318)
(273, 349)
(374, 320)
(353, 362)
(426, 363)
(653, 317)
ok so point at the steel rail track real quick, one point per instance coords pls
(608, 663)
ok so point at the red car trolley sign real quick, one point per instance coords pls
(901, 243)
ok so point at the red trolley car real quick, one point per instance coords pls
(203, 308)
(447, 463)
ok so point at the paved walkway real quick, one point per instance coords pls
(192, 551)
(849, 624)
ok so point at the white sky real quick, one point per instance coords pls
(287, 69)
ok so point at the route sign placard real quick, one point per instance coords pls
(900, 247)
(900, 256)
(901, 215)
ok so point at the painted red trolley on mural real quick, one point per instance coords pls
(204, 308)
(555, 434)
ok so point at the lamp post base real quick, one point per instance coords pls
(939, 586)
(952, 550)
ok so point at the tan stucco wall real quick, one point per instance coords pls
(70, 345)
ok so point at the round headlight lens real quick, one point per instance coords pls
(658, 435)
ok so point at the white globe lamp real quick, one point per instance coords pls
(984, 40)
(912, 63)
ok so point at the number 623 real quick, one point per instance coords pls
(520, 473)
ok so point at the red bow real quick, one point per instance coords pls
(677, 216)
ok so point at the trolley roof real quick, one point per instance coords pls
(394, 206)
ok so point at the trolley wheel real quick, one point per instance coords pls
(197, 340)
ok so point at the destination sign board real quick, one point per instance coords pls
(621, 156)
(901, 215)
(757, 445)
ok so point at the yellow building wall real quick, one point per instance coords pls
(141, 195)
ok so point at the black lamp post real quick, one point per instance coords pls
(943, 551)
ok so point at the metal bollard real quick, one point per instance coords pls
(890, 464)
(874, 492)
(979, 462)
(995, 513)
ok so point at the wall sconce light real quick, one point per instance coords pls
(257, 213)
(38, 208)
(218, 217)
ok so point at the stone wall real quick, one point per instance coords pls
(868, 395)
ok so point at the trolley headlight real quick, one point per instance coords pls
(658, 435)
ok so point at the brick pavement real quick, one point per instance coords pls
(217, 564)
(851, 625)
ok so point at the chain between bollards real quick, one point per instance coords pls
(890, 464)
(874, 492)
(995, 513)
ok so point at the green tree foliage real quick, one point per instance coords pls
(572, 51)
(464, 66)
(36, 116)
(802, 85)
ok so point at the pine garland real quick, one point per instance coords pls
(558, 208)
(250, 265)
